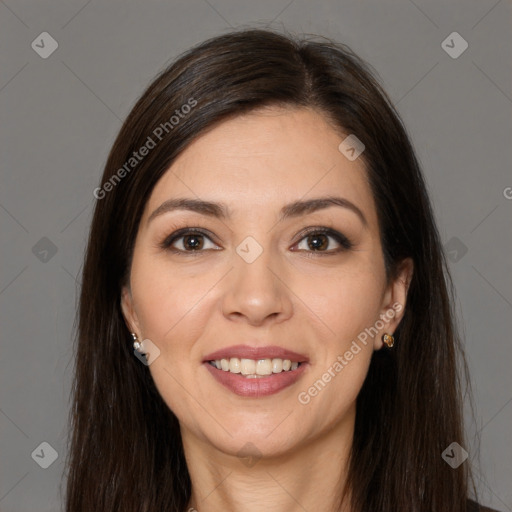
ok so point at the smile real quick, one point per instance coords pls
(252, 384)
(252, 368)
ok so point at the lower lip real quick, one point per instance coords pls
(256, 387)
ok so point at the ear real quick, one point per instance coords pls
(394, 301)
(128, 309)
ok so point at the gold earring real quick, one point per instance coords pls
(136, 343)
(388, 339)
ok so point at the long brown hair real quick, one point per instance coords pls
(125, 451)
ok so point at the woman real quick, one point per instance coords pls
(265, 320)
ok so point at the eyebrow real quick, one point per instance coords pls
(221, 211)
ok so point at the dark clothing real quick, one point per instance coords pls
(475, 507)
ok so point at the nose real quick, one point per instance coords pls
(256, 293)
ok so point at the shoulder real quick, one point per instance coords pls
(475, 507)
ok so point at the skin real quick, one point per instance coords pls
(190, 305)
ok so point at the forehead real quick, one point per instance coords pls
(265, 159)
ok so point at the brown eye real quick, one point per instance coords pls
(188, 241)
(324, 241)
(194, 242)
(318, 242)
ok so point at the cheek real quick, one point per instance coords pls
(347, 302)
(348, 306)
(167, 299)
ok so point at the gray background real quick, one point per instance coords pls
(60, 116)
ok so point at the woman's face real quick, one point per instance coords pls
(256, 272)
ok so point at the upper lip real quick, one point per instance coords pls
(248, 352)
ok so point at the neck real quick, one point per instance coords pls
(309, 477)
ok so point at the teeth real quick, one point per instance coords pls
(248, 366)
(234, 365)
(277, 365)
(251, 368)
(264, 367)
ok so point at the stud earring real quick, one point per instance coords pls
(137, 345)
(388, 339)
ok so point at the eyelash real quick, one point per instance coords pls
(344, 242)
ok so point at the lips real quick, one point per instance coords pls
(256, 388)
(248, 352)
